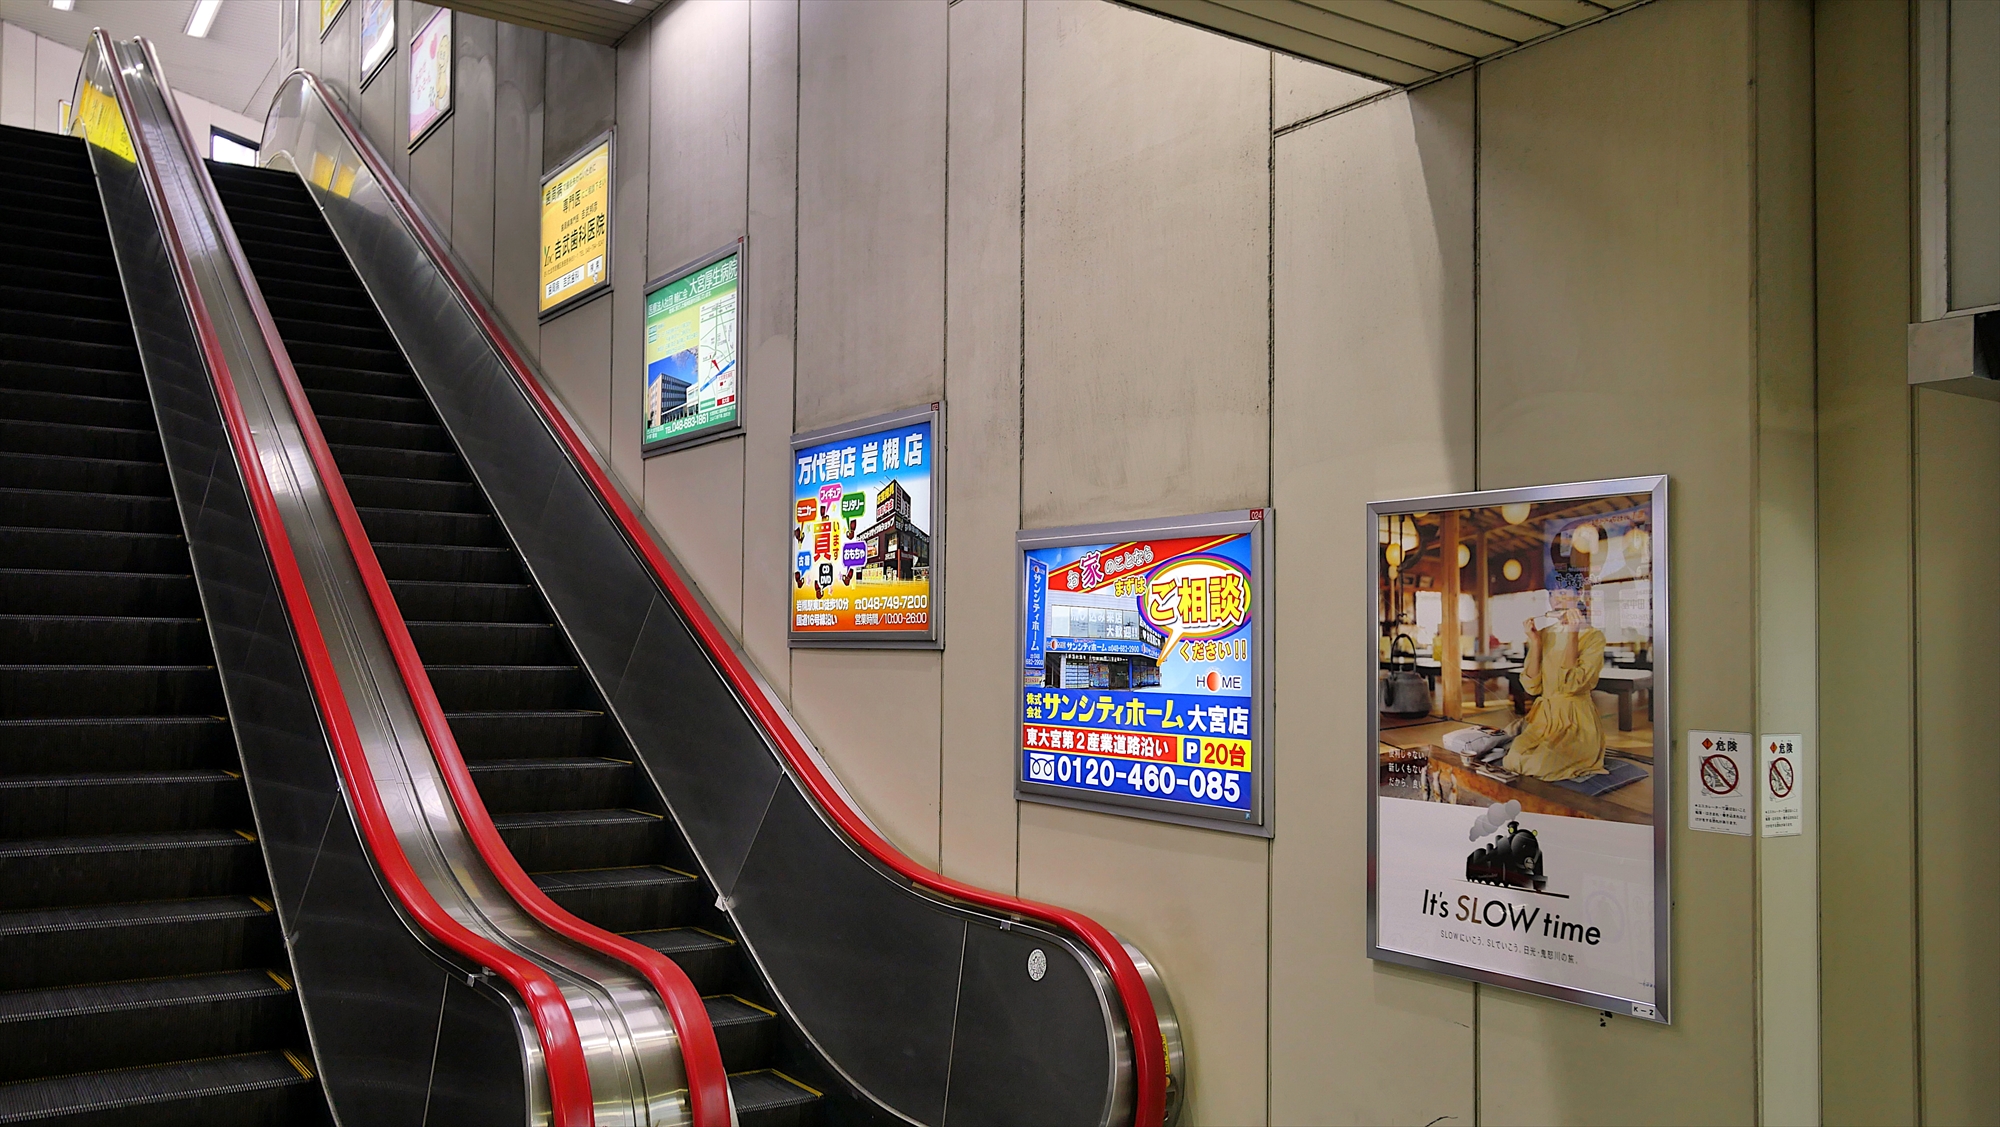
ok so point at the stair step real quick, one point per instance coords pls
(51, 947)
(402, 526)
(47, 806)
(384, 462)
(745, 1031)
(623, 899)
(415, 494)
(33, 437)
(396, 436)
(710, 960)
(329, 403)
(517, 786)
(109, 1025)
(36, 375)
(250, 1088)
(547, 732)
(769, 1098)
(66, 407)
(581, 839)
(471, 688)
(38, 591)
(83, 475)
(56, 872)
(45, 639)
(109, 690)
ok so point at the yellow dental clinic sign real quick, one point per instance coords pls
(576, 222)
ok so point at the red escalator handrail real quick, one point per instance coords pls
(1148, 1047)
(562, 1049)
(701, 1053)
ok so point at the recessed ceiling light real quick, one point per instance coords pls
(63, 5)
(202, 17)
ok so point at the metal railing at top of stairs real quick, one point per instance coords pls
(607, 1048)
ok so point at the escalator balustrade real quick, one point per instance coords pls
(557, 775)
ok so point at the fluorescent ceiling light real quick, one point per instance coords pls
(202, 17)
(63, 5)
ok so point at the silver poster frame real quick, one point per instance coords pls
(451, 61)
(932, 636)
(1258, 524)
(1660, 1009)
(739, 248)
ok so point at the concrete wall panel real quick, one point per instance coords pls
(1373, 398)
(874, 716)
(630, 207)
(1601, 157)
(472, 144)
(576, 356)
(517, 172)
(582, 96)
(871, 208)
(1147, 262)
(1301, 89)
(700, 156)
(696, 496)
(983, 456)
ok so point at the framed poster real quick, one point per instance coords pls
(378, 36)
(692, 320)
(430, 75)
(329, 11)
(576, 228)
(1518, 809)
(1144, 657)
(867, 565)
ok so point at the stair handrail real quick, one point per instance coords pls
(1150, 1066)
(555, 1025)
(701, 1054)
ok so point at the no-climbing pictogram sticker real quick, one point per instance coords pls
(1784, 774)
(1719, 769)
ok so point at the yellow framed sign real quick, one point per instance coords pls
(576, 228)
(329, 10)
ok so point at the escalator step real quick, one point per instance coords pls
(470, 688)
(429, 601)
(73, 871)
(623, 899)
(457, 643)
(581, 839)
(504, 735)
(92, 549)
(49, 638)
(84, 475)
(413, 493)
(150, 1021)
(109, 690)
(516, 786)
(50, 947)
(709, 959)
(769, 1098)
(66, 407)
(396, 436)
(121, 743)
(384, 462)
(120, 802)
(448, 563)
(37, 437)
(400, 526)
(745, 1031)
(39, 591)
(250, 1088)
(359, 405)
(57, 508)
(23, 375)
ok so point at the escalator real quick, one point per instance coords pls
(143, 976)
(558, 777)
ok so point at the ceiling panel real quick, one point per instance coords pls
(599, 21)
(1396, 41)
(227, 68)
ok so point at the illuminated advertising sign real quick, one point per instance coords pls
(430, 75)
(1141, 690)
(329, 10)
(576, 228)
(1519, 759)
(865, 565)
(378, 35)
(692, 321)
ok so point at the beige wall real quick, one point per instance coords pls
(1151, 271)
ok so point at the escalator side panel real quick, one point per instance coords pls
(356, 961)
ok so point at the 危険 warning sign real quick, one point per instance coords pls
(1719, 783)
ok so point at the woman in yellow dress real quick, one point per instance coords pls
(1561, 738)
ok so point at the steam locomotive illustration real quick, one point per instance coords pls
(1513, 859)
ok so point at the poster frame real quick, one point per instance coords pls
(1258, 523)
(326, 22)
(369, 73)
(932, 636)
(714, 434)
(1663, 732)
(451, 63)
(609, 139)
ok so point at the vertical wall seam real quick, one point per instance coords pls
(1913, 136)
(1270, 495)
(798, 164)
(1758, 1023)
(944, 440)
(1477, 349)
(1021, 360)
(744, 526)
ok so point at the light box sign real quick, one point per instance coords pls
(1519, 758)
(1142, 675)
(576, 228)
(430, 75)
(865, 565)
(693, 317)
(329, 10)
(378, 35)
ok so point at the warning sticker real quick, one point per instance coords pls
(1782, 767)
(1719, 782)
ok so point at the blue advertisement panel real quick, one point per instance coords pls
(1139, 684)
(863, 523)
